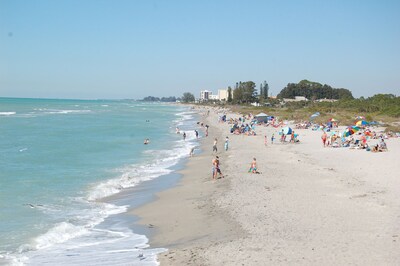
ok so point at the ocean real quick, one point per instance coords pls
(63, 164)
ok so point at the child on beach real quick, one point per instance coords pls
(253, 167)
(226, 143)
(265, 140)
(272, 138)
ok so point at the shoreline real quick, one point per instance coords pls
(310, 205)
(194, 199)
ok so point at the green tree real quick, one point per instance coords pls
(245, 92)
(265, 90)
(229, 95)
(188, 97)
(313, 90)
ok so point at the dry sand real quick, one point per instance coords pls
(309, 206)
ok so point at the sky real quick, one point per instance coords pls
(132, 49)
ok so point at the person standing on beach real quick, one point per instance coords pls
(324, 137)
(265, 140)
(216, 169)
(184, 136)
(226, 143)
(272, 138)
(283, 137)
(215, 145)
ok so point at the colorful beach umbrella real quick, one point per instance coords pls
(350, 131)
(362, 123)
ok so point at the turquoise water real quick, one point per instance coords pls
(59, 157)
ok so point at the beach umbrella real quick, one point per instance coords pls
(286, 130)
(333, 120)
(360, 117)
(362, 123)
(350, 131)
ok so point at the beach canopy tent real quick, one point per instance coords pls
(286, 131)
(261, 117)
(360, 117)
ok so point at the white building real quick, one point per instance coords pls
(205, 95)
(223, 95)
(208, 95)
(296, 99)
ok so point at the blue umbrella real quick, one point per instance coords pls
(286, 130)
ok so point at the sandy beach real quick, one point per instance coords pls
(309, 206)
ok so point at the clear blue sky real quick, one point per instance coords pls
(132, 49)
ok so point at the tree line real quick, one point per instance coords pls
(162, 99)
(313, 91)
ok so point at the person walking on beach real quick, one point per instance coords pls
(226, 143)
(215, 145)
(216, 169)
(265, 140)
(324, 137)
(272, 138)
(191, 153)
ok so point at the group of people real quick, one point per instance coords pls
(356, 141)
(226, 144)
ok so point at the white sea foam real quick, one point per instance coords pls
(60, 111)
(59, 234)
(7, 113)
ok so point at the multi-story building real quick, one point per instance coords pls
(205, 95)
(223, 95)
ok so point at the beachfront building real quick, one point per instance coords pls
(296, 99)
(208, 95)
(326, 100)
(223, 95)
(205, 95)
(213, 97)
